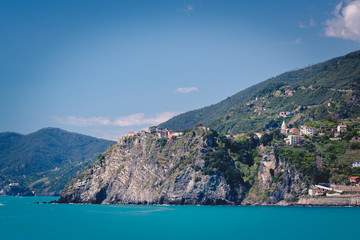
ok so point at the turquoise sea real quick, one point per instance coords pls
(21, 218)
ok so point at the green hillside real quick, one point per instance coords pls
(44, 161)
(311, 86)
(330, 95)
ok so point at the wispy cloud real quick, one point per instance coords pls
(187, 89)
(296, 41)
(307, 24)
(141, 119)
(137, 119)
(83, 122)
(346, 21)
(189, 6)
(187, 9)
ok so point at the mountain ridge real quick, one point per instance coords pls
(210, 113)
(43, 161)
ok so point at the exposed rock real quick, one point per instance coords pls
(278, 182)
(149, 171)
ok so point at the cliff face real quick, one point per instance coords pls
(149, 170)
(277, 181)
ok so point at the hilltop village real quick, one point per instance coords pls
(154, 131)
(341, 192)
(295, 136)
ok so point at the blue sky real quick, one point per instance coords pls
(104, 68)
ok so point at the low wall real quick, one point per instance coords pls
(330, 201)
(346, 188)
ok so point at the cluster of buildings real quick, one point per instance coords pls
(322, 190)
(289, 92)
(158, 132)
(341, 128)
(295, 136)
(166, 133)
(304, 130)
(260, 110)
(329, 189)
(284, 114)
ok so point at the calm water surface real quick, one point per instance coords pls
(20, 218)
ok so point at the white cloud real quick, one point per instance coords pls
(141, 119)
(83, 122)
(346, 23)
(137, 119)
(187, 90)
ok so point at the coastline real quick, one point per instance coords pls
(303, 201)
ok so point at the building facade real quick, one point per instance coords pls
(294, 140)
(304, 130)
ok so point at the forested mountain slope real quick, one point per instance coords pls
(44, 161)
(313, 85)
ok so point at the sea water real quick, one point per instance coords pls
(21, 218)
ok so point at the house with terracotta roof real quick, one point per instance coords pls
(354, 180)
(259, 135)
(294, 131)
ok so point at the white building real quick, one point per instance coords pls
(177, 134)
(356, 164)
(259, 135)
(284, 114)
(341, 128)
(304, 130)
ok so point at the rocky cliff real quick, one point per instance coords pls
(277, 181)
(197, 168)
(151, 170)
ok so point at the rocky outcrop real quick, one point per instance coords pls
(149, 170)
(278, 182)
(152, 170)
